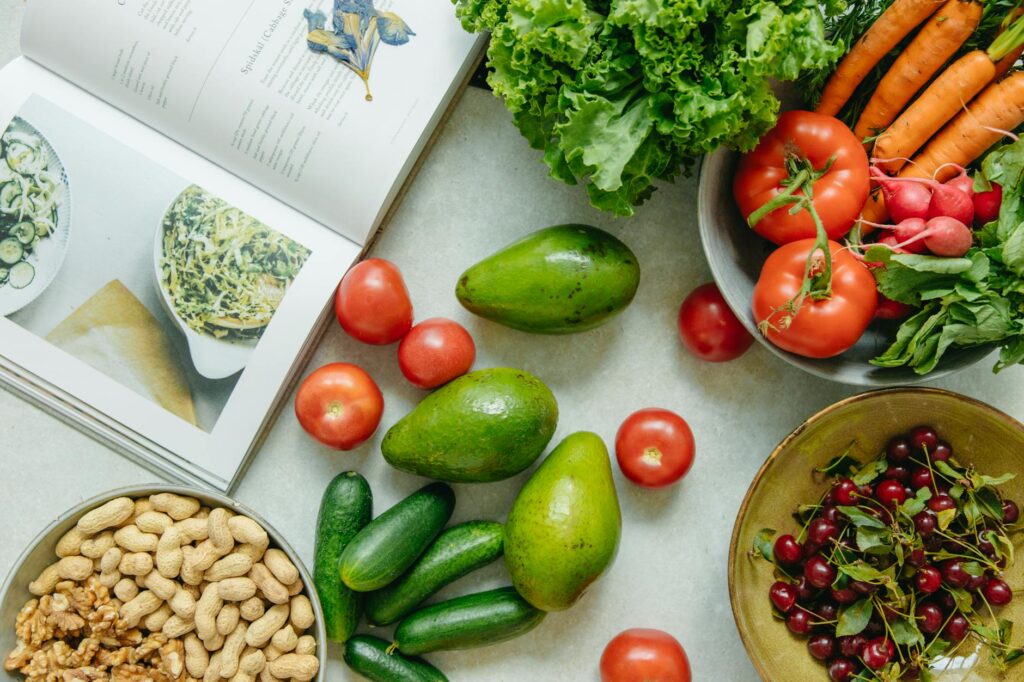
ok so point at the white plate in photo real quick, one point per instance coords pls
(23, 284)
(212, 357)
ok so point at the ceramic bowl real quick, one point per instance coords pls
(978, 433)
(41, 553)
(736, 255)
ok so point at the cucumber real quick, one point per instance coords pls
(24, 232)
(467, 622)
(369, 656)
(347, 506)
(393, 541)
(11, 251)
(21, 275)
(457, 552)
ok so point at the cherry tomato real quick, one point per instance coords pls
(339, 405)
(436, 351)
(821, 328)
(654, 447)
(708, 327)
(801, 144)
(644, 655)
(373, 304)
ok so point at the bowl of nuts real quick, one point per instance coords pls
(168, 584)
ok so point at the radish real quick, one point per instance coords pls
(889, 309)
(946, 236)
(964, 183)
(951, 202)
(907, 230)
(903, 199)
(943, 200)
(986, 205)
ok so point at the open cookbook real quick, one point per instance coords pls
(182, 185)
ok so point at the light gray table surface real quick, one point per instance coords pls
(481, 187)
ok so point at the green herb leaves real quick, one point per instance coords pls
(854, 618)
(621, 93)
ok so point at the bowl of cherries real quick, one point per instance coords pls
(877, 544)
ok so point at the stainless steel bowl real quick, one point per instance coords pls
(41, 553)
(736, 254)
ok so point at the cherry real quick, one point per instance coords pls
(942, 451)
(957, 628)
(925, 523)
(941, 502)
(830, 513)
(898, 450)
(783, 596)
(841, 670)
(826, 612)
(852, 645)
(976, 583)
(845, 492)
(878, 652)
(1011, 512)
(862, 588)
(997, 592)
(890, 613)
(923, 438)
(921, 478)
(822, 647)
(916, 558)
(819, 572)
(954, 574)
(928, 580)
(890, 493)
(865, 490)
(897, 473)
(986, 547)
(799, 622)
(787, 550)
(930, 618)
(845, 596)
(947, 601)
(821, 531)
(805, 592)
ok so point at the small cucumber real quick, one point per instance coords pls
(457, 552)
(466, 622)
(369, 656)
(393, 541)
(347, 506)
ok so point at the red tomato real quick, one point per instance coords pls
(654, 447)
(339, 405)
(708, 327)
(373, 304)
(800, 147)
(436, 351)
(643, 655)
(822, 328)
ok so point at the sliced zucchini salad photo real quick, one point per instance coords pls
(29, 195)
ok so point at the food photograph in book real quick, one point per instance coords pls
(136, 272)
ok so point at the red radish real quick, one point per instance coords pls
(951, 202)
(986, 205)
(946, 236)
(905, 232)
(964, 183)
(903, 199)
(889, 309)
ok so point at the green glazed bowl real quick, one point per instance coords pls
(979, 434)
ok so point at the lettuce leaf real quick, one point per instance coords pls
(620, 94)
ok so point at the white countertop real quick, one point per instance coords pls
(480, 188)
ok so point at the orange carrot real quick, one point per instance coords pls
(935, 43)
(1007, 62)
(895, 24)
(943, 100)
(1000, 107)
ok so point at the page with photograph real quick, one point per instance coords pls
(168, 296)
(325, 104)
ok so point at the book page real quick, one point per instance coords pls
(144, 282)
(325, 104)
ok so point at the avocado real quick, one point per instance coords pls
(485, 426)
(560, 280)
(563, 529)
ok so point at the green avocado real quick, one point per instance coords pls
(563, 530)
(560, 280)
(485, 426)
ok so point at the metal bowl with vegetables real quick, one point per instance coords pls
(894, 205)
(222, 275)
(35, 215)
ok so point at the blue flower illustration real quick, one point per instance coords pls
(357, 28)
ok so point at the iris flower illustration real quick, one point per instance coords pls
(356, 31)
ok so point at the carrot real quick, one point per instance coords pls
(934, 44)
(895, 24)
(943, 100)
(1000, 107)
(1007, 62)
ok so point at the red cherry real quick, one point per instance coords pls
(783, 596)
(925, 523)
(954, 574)
(942, 452)
(852, 645)
(997, 592)
(1011, 512)
(841, 669)
(799, 622)
(819, 572)
(845, 492)
(941, 502)
(929, 617)
(928, 580)
(822, 647)
(923, 438)
(890, 493)
(921, 478)
(878, 652)
(821, 531)
(957, 628)
(845, 596)
(898, 450)
(787, 550)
